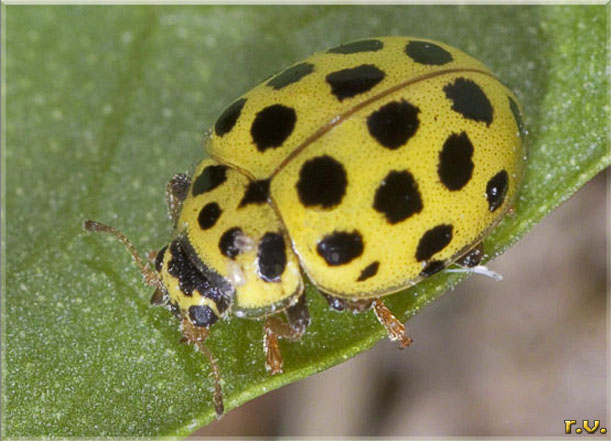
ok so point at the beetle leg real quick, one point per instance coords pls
(196, 335)
(394, 328)
(298, 320)
(355, 306)
(473, 257)
(176, 192)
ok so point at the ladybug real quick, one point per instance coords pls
(366, 168)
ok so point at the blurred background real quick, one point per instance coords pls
(510, 358)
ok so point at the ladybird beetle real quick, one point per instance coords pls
(367, 168)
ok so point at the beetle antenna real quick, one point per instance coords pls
(151, 278)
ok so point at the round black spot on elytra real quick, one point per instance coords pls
(228, 244)
(208, 215)
(433, 241)
(340, 247)
(229, 117)
(210, 178)
(291, 75)
(159, 259)
(357, 46)
(455, 166)
(496, 190)
(322, 182)
(369, 271)
(434, 266)
(469, 100)
(271, 257)
(350, 82)
(513, 106)
(424, 52)
(397, 197)
(257, 192)
(272, 126)
(394, 123)
(202, 315)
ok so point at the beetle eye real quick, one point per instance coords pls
(159, 259)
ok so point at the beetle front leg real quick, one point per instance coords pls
(298, 317)
(176, 192)
(196, 335)
(394, 328)
(473, 257)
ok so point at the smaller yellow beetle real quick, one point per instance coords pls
(368, 167)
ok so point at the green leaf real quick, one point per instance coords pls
(103, 104)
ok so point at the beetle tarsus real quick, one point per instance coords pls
(298, 320)
(394, 328)
(273, 357)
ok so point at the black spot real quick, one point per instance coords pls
(347, 83)
(394, 123)
(424, 52)
(210, 178)
(455, 166)
(191, 279)
(159, 259)
(271, 257)
(340, 247)
(202, 315)
(229, 117)
(433, 241)
(434, 266)
(357, 46)
(322, 181)
(272, 126)
(517, 115)
(257, 192)
(181, 267)
(496, 190)
(369, 271)
(398, 197)
(291, 75)
(228, 244)
(208, 215)
(469, 100)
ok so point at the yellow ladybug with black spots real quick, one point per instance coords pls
(366, 168)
